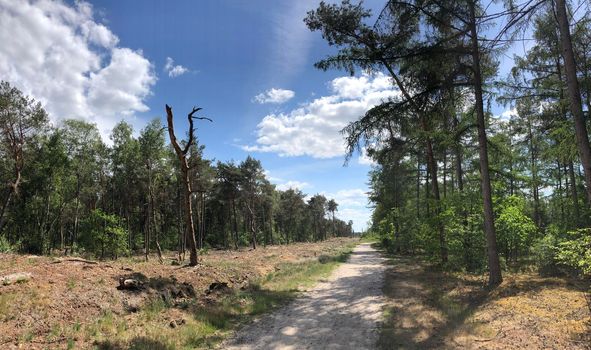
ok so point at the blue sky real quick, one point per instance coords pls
(248, 64)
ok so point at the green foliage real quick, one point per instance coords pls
(515, 230)
(5, 246)
(544, 253)
(103, 234)
(563, 252)
(575, 251)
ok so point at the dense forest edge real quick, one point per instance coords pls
(451, 182)
(70, 193)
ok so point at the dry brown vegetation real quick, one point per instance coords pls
(75, 304)
(430, 309)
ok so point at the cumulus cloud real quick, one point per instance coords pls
(64, 58)
(274, 96)
(352, 206)
(314, 129)
(294, 185)
(350, 197)
(174, 70)
(508, 114)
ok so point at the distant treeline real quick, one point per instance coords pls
(64, 188)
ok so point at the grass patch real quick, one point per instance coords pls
(106, 326)
(6, 306)
(292, 277)
(154, 308)
(71, 284)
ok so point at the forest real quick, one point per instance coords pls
(470, 190)
(66, 190)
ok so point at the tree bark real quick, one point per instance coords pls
(182, 155)
(235, 224)
(494, 277)
(574, 193)
(574, 92)
(5, 206)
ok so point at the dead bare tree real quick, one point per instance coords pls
(182, 153)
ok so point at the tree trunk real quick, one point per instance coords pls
(235, 224)
(534, 174)
(574, 193)
(182, 155)
(418, 189)
(75, 233)
(574, 92)
(495, 277)
(432, 167)
(190, 227)
(252, 227)
(153, 220)
(5, 206)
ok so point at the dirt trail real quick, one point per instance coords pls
(342, 312)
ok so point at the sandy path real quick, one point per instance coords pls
(342, 312)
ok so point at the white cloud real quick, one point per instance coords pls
(284, 185)
(294, 185)
(274, 96)
(350, 197)
(360, 217)
(174, 70)
(352, 206)
(314, 129)
(61, 56)
(506, 115)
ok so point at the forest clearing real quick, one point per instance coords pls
(280, 174)
(72, 303)
(299, 296)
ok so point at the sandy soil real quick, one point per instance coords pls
(342, 312)
(430, 309)
(64, 296)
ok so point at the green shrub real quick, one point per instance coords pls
(5, 246)
(544, 254)
(575, 251)
(515, 229)
(104, 233)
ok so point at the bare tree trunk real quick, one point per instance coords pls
(495, 277)
(182, 155)
(574, 92)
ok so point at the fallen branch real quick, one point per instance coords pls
(76, 260)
